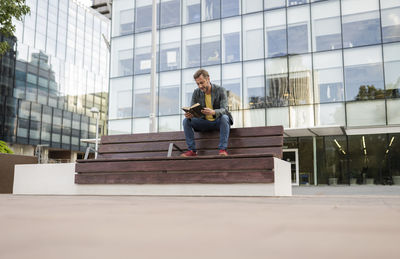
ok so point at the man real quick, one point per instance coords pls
(216, 115)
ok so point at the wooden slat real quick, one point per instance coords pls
(246, 163)
(179, 135)
(177, 178)
(200, 144)
(275, 151)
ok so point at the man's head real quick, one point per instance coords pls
(202, 79)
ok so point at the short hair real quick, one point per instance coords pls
(201, 72)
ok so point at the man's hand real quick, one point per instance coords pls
(188, 115)
(208, 111)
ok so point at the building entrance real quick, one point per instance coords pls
(292, 156)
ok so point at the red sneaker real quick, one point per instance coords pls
(189, 153)
(222, 152)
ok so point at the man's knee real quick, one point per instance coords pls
(225, 119)
(186, 122)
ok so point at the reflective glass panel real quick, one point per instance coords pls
(254, 90)
(141, 96)
(230, 8)
(142, 53)
(391, 54)
(211, 9)
(326, 27)
(120, 104)
(191, 11)
(278, 116)
(390, 16)
(300, 80)
(296, 2)
(361, 25)
(123, 17)
(232, 82)
(191, 45)
(277, 84)
(122, 56)
(170, 56)
(252, 6)
(366, 113)
(169, 123)
(299, 30)
(271, 4)
(275, 31)
(364, 73)
(210, 49)
(170, 13)
(169, 93)
(231, 50)
(301, 116)
(144, 15)
(328, 77)
(253, 36)
(188, 86)
(330, 114)
(116, 127)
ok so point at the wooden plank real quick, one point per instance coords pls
(164, 158)
(177, 178)
(179, 135)
(275, 151)
(212, 164)
(244, 142)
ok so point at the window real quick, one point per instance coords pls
(169, 93)
(170, 13)
(361, 25)
(298, 30)
(326, 26)
(272, 4)
(328, 77)
(211, 9)
(300, 80)
(232, 82)
(390, 20)
(126, 19)
(142, 53)
(363, 74)
(170, 49)
(253, 37)
(144, 15)
(277, 87)
(230, 8)
(391, 54)
(275, 26)
(191, 11)
(120, 105)
(254, 90)
(231, 40)
(122, 58)
(211, 51)
(191, 45)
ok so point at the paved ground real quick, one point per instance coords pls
(315, 223)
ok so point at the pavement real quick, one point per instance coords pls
(317, 222)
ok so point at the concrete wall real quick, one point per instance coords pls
(7, 164)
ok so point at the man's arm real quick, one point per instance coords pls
(223, 103)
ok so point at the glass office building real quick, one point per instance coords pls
(61, 72)
(328, 71)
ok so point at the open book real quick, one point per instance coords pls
(195, 110)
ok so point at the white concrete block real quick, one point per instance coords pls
(58, 179)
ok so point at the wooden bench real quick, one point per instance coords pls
(143, 159)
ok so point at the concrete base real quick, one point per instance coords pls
(58, 179)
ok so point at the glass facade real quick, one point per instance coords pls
(61, 72)
(300, 64)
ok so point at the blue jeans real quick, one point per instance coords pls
(222, 124)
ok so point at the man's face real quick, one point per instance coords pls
(204, 84)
